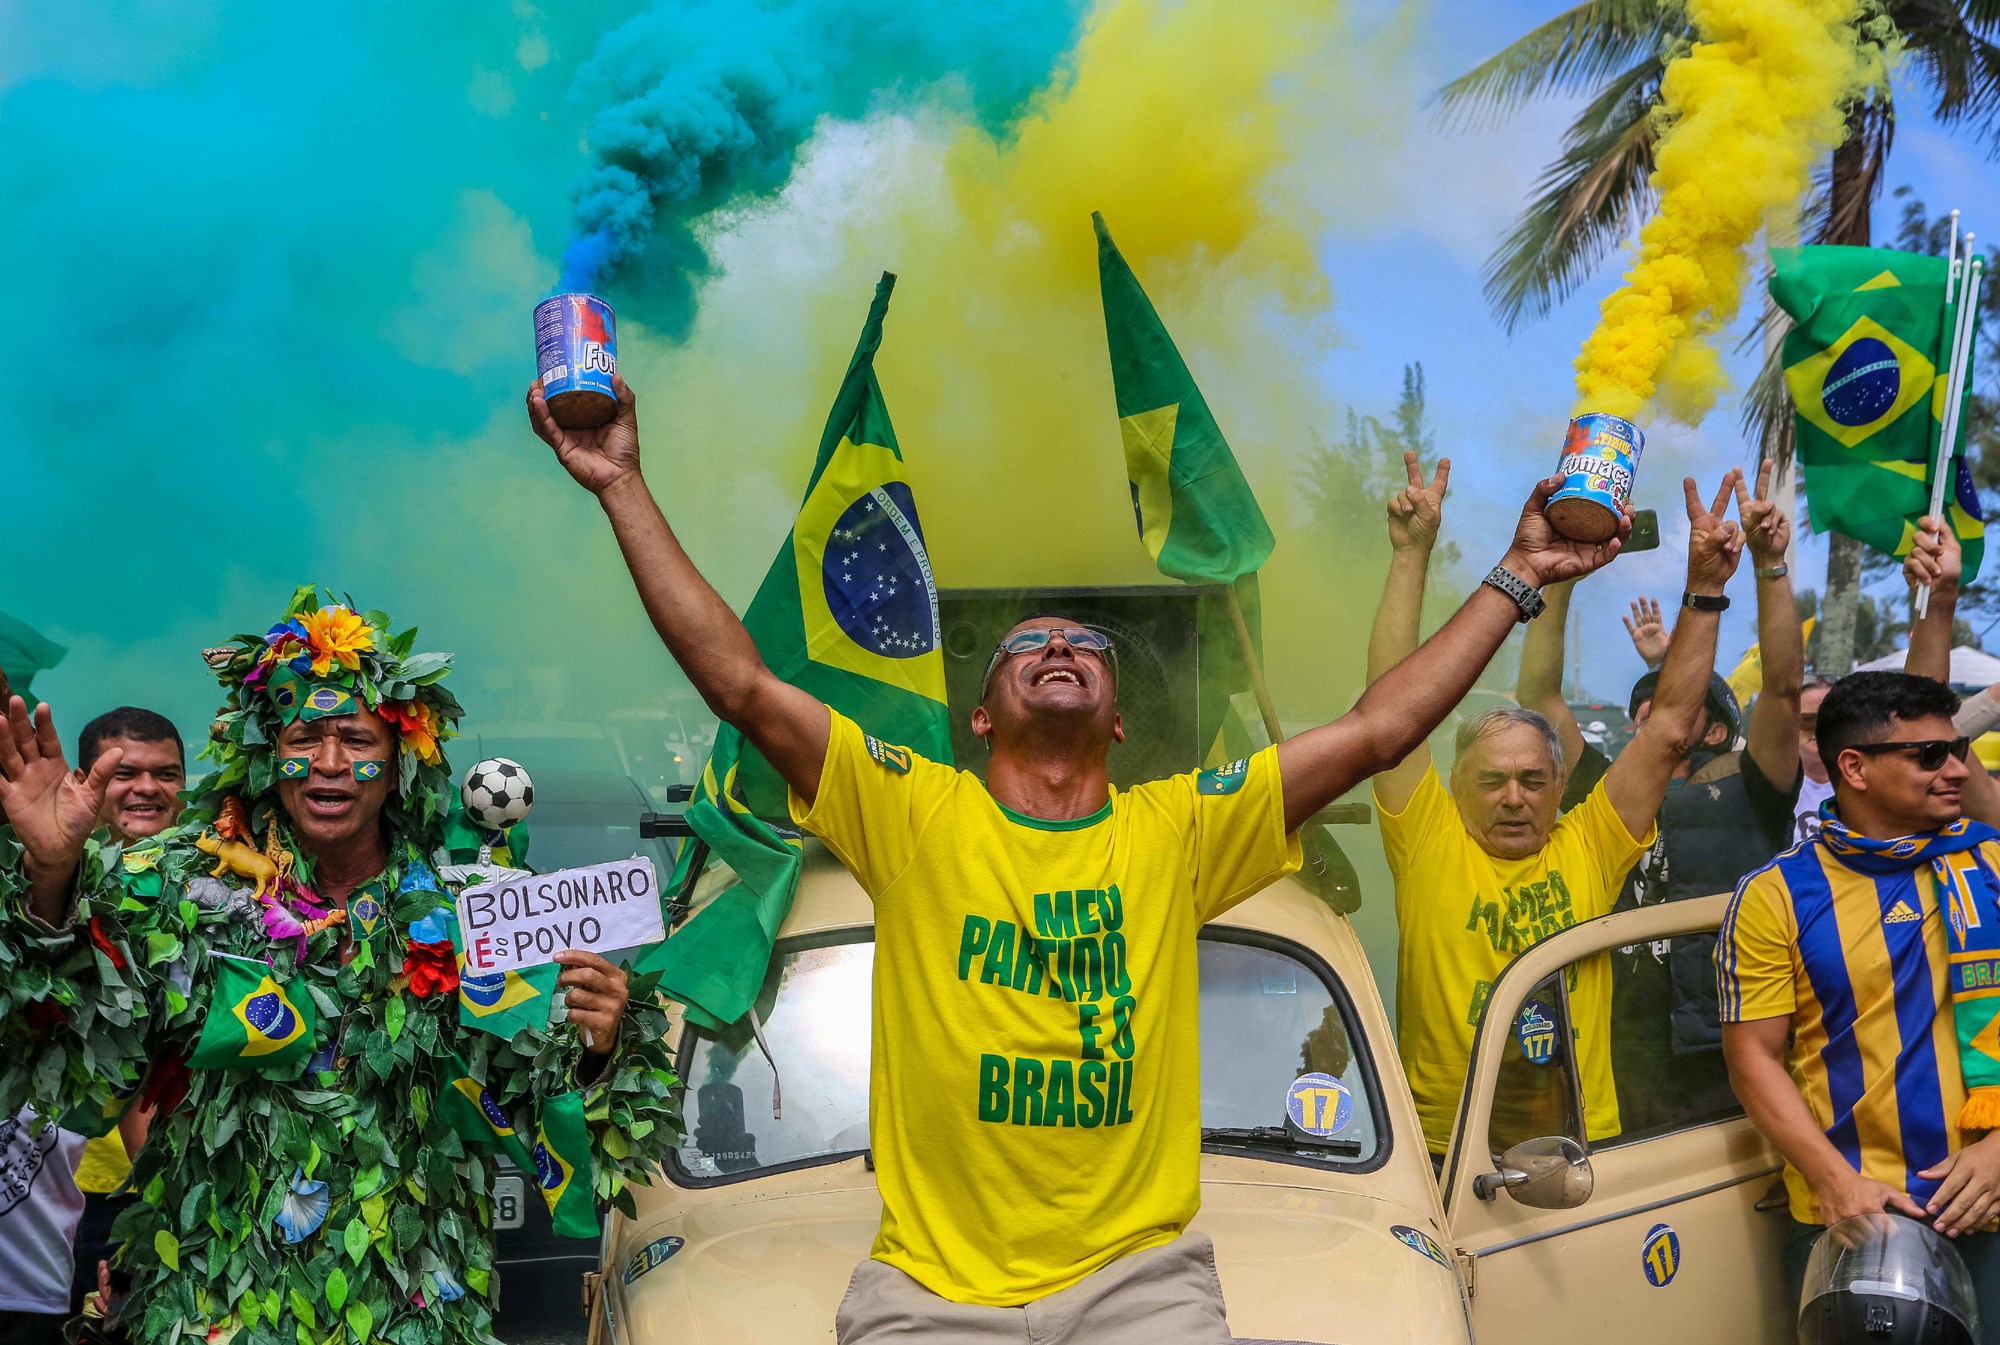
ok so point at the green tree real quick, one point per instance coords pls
(1599, 187)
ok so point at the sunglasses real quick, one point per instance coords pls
(1080, 639)
(1931, 752)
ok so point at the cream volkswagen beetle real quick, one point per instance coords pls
(1330, 1221)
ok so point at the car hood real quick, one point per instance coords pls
(1296, 1264)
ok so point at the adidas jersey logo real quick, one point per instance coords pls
(1900, 914)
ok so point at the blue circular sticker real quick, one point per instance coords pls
(1419, 1241)
(1536, 1029)
(1660, 1255)
(1319, 1104)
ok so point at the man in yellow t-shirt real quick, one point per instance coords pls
(1034, 1102)
(1484, 870)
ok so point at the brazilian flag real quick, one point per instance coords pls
(1865, 363)
(849, 613)
(563, 1166)
(478, 1120)
(505, 1002)
(1196, 513)
(24, 651)
(253, 1022)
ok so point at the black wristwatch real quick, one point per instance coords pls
(1702, 602)
(1529, 600)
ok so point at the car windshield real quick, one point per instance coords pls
(1275, 1032)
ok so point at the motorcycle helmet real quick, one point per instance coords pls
(1883, 1279)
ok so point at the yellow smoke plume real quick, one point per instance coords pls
(1180, 123)
(1748, 110)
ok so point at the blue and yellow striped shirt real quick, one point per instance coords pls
(1862, 975)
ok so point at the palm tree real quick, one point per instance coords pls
(1598, 190)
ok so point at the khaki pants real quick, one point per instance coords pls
(1167, 1295)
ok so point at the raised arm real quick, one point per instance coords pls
(1416, 513)
(1539, 686)
(1773, 739)
(51, 808)
(1403, 705)
(1637, 782)
(705, 637)
(1934, 560)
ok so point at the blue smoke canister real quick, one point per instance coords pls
(576, 350)
(1600, 457)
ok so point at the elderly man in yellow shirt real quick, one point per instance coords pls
(1483, 868)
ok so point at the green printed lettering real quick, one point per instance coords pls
(1480, 990)
(1110, 908)
(1088, 968)
(1125, 1093)
(992, 1088)
(1086, 923)
(1059, 969)
(972, 942)
(1114, 1081)
(1122, 1010)
(1028, 966)
(1060, 1107)
(1090, 1092)
(999, 968)
(1088, 1031)
(1055, 915)
(1116, 978)
(1027, 1091)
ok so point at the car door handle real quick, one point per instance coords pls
(1489, 1184)
(1777, 1198)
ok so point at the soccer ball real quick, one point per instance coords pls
(497, 793)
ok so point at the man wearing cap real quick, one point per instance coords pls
(1726, 812)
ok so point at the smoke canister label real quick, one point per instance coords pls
(576, 352)
(1600, 459)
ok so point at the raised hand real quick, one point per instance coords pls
(52, 808)
(1934, 560)
(1416, 511)
(1648, 631)
(1766, 528)
(1714, 545)
(597, 997)
(1543, 556)
(598, 458)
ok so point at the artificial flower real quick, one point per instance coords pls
(104, 944)
(432, 968)
(337, 634)
(418, 724)
(304, 1209)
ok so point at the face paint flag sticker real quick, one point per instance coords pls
(1319, 1104)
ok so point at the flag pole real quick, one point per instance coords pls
(1957, 352)
(1268, 709)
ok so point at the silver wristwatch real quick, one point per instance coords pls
(1529, 600)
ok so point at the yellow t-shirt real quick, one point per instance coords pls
(103, 1166)
(1463, 915)
(1035, 1097)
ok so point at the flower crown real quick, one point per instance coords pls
(324, 659)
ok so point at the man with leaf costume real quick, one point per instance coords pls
(330, 1096)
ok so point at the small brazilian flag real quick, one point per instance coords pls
(504, 1002)
(563, 1166)
(478, 1120)
(1196, 513)
(253, 1022)
(849, 613)
(1865, 363)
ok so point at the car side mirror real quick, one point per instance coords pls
(1551, 1172)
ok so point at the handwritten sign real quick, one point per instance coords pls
(526, 919)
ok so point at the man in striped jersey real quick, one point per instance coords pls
(1839, 1026)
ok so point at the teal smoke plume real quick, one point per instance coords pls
(704, 104)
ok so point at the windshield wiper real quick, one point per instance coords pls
(1277, 1137)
